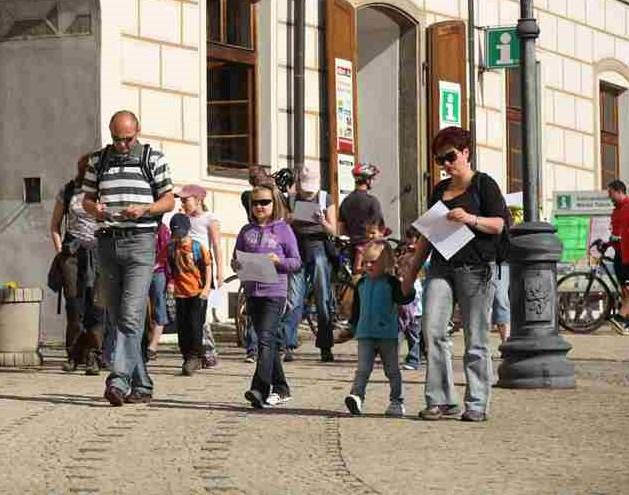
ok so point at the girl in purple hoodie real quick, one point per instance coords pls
(268, 233)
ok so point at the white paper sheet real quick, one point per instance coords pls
(306, 211)
(215, 298)
(446, 236)
(256, 267)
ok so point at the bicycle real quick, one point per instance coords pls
(584, 299)
(342, 287)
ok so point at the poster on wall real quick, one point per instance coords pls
(449, 104)
(600, 228)
(346, 179)
(344, 106)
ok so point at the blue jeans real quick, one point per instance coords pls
(157, 293)
(251, 338)
(315, 272)
(501, 309)
(265, 313)
(414, 341)
(472, 288)
(368, 349)
(127, 270)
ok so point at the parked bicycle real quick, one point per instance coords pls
(587, 299)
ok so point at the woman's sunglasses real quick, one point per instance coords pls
(449, 157)
(261, 202)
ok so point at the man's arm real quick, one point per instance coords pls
(55, 225)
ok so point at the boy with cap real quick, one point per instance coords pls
(190, 269)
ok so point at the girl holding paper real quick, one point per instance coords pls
(268, 234)
(474, 199)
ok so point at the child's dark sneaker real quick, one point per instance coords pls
(69, 366)
(92, 367)
(289, 356)
(190, 365)
(255, 398)
(354, 404)
(327, 356)
(395, 409)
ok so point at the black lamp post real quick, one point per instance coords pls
(535, 354)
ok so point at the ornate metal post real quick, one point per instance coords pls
(535, 354)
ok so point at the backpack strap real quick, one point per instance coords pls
(68, 192)
(197, 255)
(103, 164)
(147, 172)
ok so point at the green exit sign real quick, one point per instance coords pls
(502, 47)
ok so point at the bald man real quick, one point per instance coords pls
(127, 188)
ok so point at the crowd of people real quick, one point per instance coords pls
(116, 253)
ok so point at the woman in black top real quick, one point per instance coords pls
(475, 200)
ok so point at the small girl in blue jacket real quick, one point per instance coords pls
(375, 321)
(268, 234)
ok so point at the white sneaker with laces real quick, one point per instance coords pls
(354, 404)
(276, 399)
(395, 409)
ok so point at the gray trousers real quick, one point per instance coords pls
(471, 287)
(368, 349)
(127, 270)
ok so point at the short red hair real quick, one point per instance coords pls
(453, 137)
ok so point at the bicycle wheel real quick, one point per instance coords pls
(584, 302)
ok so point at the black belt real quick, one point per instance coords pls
(117, 232)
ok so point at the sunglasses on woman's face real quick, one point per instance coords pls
(261, 202)
(449, 156)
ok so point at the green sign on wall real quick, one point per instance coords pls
(502, 47)
(449, 104)
(573, 230)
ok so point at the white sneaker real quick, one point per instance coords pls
(354, 404)
(395, 409)
(276, 399)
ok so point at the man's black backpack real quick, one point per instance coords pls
(104, 164)
(503, 244)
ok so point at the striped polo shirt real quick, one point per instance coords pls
(123, 184)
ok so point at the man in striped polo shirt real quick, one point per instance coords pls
(127, 188)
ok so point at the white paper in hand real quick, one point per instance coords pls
(256, 267)
(446, 236)
(306, 211)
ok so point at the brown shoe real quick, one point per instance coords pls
(474, 416)
(115, 396)
(136, 397)
(442, 411)
(190, 365)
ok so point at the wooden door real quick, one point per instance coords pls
(341, 54)
(446, 61)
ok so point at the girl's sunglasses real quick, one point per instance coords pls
(449, 157)
(261, 202)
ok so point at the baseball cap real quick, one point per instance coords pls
(179, 225)
(310, 179)
(191, 190)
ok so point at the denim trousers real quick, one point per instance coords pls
(127, 270)
(251, 339)
(414, 341)
(501, 309)
(316, 271)
(471, 287)
(368, 349)
(266, 313)
(190, 320)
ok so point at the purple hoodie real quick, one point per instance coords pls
(275, 237)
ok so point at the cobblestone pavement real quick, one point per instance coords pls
(59, 436)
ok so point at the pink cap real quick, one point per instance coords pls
(191, 190)
(310, 179)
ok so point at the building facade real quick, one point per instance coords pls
(212, 83)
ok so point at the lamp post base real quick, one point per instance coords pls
(535, 354)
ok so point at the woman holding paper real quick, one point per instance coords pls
(267, 234)
(464, 277)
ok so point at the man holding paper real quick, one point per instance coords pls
(463, 226)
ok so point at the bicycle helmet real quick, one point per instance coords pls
(284, 179)
(365, 171)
